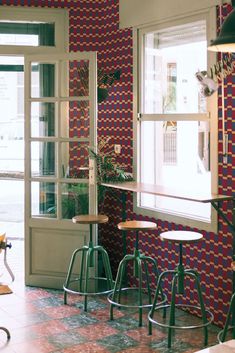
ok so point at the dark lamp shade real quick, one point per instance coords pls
(225, 42)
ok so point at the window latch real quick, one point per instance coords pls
(139, 116)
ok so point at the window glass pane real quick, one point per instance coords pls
(75, 199)
(175, 155)
(42, 119)
(171, 59)
(182, 154)
(43, 199)
(42, 159)
(29, 34)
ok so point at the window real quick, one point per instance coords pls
(175, 125)
(30, 30)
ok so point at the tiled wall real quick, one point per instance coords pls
(94, 26)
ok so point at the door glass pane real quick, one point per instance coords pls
(171, 60)
(75, 160)
(42, 119)
(75, 199)
(78, 78)
(43, 199)
(42, 80)
(42, 159)
(75, 119)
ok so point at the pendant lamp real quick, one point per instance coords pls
(225, 42)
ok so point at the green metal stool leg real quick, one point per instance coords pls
(88, 261)
(230, 311)
(69, 273)
(82, 270)
(123, 275)
(172, 308)
(117, 283)
(107, 267)
(150, 259)
(140, 291)
(147, 279)
(151, 313)
(202, 305)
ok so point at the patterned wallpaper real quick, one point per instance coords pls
(94, 26)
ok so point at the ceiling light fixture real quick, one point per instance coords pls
(225, 42)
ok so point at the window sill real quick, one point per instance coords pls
(186, 220)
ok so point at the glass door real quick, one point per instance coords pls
(60, 126)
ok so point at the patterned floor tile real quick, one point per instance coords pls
(39, 322)
(141, 349)
(79, 320)
(90, 347)
(97, 332)
(48, 302)
(177, 346)
(141, 335)
(117, 343)
(91, 305)
(124, 323)
(66, 339)
(103, 315)
(61, 311)
(48, 328)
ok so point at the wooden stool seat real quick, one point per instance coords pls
(137, 225)
(181, 236)
(90, 219)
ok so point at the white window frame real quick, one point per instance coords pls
(58, 16)
(212, 105)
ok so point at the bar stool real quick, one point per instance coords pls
(230, 317)
(138, 260)
(179, 274)
(88, 285)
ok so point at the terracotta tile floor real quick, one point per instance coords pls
(39, 322)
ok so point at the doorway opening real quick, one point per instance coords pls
(12, 146)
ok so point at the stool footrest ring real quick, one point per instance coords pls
(149, 305)
(209, 314)
(219, 338)
(107, 291)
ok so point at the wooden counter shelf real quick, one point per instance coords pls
(167, 192)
